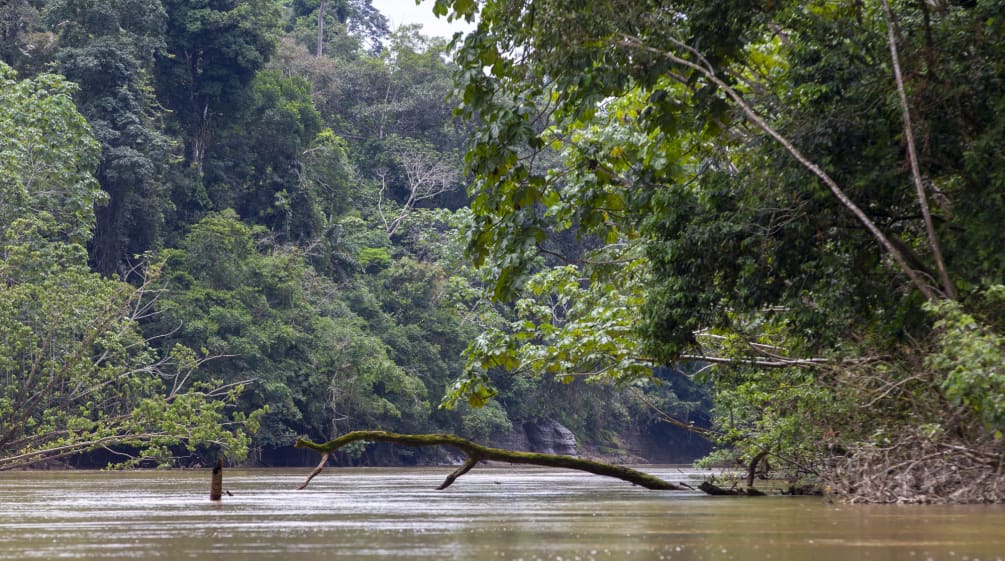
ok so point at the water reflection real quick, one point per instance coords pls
(490, 514)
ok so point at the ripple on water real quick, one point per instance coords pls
(496, 513)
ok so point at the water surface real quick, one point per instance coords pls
(498, 513)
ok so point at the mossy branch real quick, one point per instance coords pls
(476, 453)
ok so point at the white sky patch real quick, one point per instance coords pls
(404, 12)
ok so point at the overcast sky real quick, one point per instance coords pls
(402, 12)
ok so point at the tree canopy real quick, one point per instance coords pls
(76, 372)
(798, 183)
(270, 201)
(772, 225)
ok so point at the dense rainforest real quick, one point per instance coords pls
(770, 226)
(225, 225)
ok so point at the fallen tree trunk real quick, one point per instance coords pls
(477, 453)
(715, 490)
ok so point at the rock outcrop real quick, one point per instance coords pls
(550, 437)
(545, 437)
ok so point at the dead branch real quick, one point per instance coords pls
(715, 490)
(428, 173)
(477, 453)
(315, 471)
(703, 432)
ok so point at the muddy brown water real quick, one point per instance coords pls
(496, 514)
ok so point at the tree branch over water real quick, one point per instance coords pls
(477, 453)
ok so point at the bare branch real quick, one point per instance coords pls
(315, 471)
(948, 289)
(428, 173)
(668, 418)
(780, 362)
(466, 467)
(705, 68)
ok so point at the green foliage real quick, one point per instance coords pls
(342, 17)
(107, 48)
(272, 323)
(213, 51)
(374, 258)
(481, 423)
(47, 155)
(969, 357)
(24, 41)
(76, 374)
(369, 99)
(700, 133)
(224, 44)
(335, 294)
(566, 327)
(256, 163)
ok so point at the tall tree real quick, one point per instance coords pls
(259, 156)
(47, 156)
(330, 17)
(214, 48)
(108, 49)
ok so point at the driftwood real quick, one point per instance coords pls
(950, 467)
(477, 453)
(712, 489)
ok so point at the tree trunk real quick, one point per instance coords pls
(200, 139)
(106, 248)
(715, 490)
(752, 469)
(477, 453)
(216, 485)
(948, 288)
(321, 28)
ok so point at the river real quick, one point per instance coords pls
(490, 514)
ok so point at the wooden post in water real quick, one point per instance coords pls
(216, 487)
